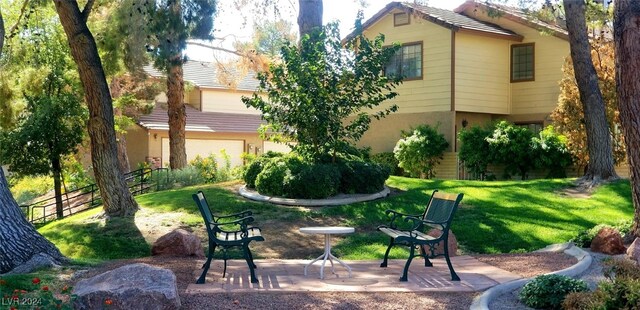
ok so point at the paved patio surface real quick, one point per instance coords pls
(288, 276)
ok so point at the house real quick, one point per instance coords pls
(216, 120)
(467, 67)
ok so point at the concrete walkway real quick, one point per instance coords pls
(288, 276)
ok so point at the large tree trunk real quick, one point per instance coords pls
(56, 168)
(20, 241)
(175, 100)
(626, 31)
(309, 16)
(600, 165)
(116, 197)
(123, 157)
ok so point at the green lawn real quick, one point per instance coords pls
(495, 217)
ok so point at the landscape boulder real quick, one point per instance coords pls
(633, 252)
(439, 249)
(136, 286)
(608, 241)
(178, 243)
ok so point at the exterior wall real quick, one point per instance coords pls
(448, 167)
(481, 74)
(541, 95)
(385, 133)
(193, 98)
(472, 119)
(137, 145)
(225, 101)
(433, 91)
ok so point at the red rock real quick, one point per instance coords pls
(178, 243)
(439, 249)
(633, 252)
(608, 241)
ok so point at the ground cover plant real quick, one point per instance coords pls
(494, 217)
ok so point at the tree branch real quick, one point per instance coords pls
(22, 11)
(215, 48)
(87, 10)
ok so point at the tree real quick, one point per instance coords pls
(315, 96)
(627, 48)
(22, 245)
(309, 17)
(568, 116)
(600, 167)
(419, 151)
(270, 36)
(474, 149)
(116, 197)
(511, 145)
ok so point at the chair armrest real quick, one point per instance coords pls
(418, 223)
(242, 222)
(238, 215)
(395, 215)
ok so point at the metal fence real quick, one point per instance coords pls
(84, 198)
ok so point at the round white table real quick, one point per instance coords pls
(327, 231)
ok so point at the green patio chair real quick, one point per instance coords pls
(226, 238)
(438, 214)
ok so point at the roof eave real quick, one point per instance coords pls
(509, 37)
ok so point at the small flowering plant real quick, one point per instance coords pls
(19, 294)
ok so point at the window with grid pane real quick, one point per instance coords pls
(407, 62)
(522, 62)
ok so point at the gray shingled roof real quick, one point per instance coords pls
(204, 121)
(444, 18)
(205, 74)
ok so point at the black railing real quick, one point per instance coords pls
(84, 198)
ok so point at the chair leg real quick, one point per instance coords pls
(406, 266)
(454, 275)
(206, 266)
(245, 247)
(427, 262)
(224, 257)
(386, 254)
(251, 257)
(212, 249)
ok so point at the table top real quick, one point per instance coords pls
(327, 230)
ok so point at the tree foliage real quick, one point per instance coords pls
(550, 151)
(420, 151)
(510, 145)
(474, 149)
(568, 116)
(317, 93)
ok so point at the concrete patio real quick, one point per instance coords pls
(288, 276)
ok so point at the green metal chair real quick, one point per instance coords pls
(438, 214)
(225, 238)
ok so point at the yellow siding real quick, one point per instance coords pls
(448, 167)
(193, 98)
(541, 95)
(225, 101)
(481, 74)
(433, 92)
(137, 145)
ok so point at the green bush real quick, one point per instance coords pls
(28, 188)
(388, 160)
(420, 151)
(584, 238)
(510, 145)
(314, 181)
(271, 180)
(362, 177)
(187, 176)
(255, 167)
(551, 152)
(207, 167)
(548, 291)
(474, 149)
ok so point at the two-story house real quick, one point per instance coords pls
(467, 67)
(216, 120)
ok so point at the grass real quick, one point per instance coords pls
(495, 217)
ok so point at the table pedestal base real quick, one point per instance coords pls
(327, 256)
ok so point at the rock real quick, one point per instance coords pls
(136, 286)
(178, 243)
(439, 249)
(633, 252)
(608, 241)
(38, 261)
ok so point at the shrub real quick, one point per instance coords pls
(419, 152)
(584, 238)
(548, 291)
(256, 166)
(271, 180)
(511, 145)
(187, 176)
(387, 159)
(362, 177)
(207, 167)
(314, 181)
(28, 188)
(474, 149)
(550, 149)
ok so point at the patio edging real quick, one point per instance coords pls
(584, 261)
(253, 195)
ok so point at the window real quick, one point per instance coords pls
(522, 62)
(400, 19)
(407, 62)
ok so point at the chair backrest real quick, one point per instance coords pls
(441, 208)
(201, 201)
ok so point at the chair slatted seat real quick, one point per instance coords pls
(223, 237)
(438, 215)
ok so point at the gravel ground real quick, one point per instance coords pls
(183, 268)
(592, 276)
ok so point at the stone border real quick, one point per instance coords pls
(584, 261)
(332, 201)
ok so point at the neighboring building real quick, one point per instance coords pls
(466, 68)
(216, 119)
